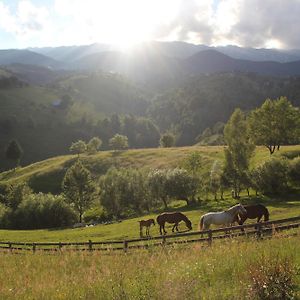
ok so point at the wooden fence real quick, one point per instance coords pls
(259, 230)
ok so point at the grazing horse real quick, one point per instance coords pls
(172, 217)
(147, 224)
(226, 217)
(252, 212)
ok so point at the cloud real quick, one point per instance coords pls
(26, 21)
(251, 23)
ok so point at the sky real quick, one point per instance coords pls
(246, 23)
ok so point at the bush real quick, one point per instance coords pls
(272, 279)
(43, 211)
(294, 169)
(5, 214)
(271, 177)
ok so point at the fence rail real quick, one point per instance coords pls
(255, 229)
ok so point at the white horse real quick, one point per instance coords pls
(226, 217)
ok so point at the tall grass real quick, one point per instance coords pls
(190, 272)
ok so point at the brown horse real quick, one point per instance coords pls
(147, 224)
(173, 218)
(252, 212)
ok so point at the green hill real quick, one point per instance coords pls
(46, 176)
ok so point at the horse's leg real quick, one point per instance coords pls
(164, 228)
(173, 227)
(259, 218)
(160, 228)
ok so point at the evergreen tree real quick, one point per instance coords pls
(14, 152)
(79, 188)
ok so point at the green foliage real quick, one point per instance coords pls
(167, 140)
(123, 191)
(181, 185)
(193, 162)
(240, 150)
(14, 152)
(294, 170)
(16, 194)
(79, 188)
(271, 177)
(78, 147)
(42, 211)
(93, 145)
(274, 124)
(118, 142)
(157, 184)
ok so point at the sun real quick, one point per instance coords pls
(126, 23)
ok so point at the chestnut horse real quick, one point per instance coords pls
(173, 218)
(252, 212)
(147, 224)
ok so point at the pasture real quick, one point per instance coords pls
(223, 271)
(129, 228)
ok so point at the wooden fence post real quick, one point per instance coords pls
(259, 232)
(125, 246)
(33, 247)
(209, 237)
(59, 246)
(10, 246)
(90, 245)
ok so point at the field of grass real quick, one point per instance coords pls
(129, 228)
(223, 271)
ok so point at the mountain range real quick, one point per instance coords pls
(158, 65)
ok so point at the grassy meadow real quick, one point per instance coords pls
(223, 271)
(226, 270)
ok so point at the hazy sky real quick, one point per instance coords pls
(251, 23)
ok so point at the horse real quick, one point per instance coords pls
(226, 217)
(147, 224)
(172, 217)
(253, 211)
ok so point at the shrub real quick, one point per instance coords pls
(294, 169)
(272, 279)
(271, 177)
(43, 211)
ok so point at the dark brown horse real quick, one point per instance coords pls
(253, 211)
(173, 218)
(147, 224)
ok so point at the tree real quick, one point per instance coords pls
(239, 150)
(181, 185)
(14, 152)
(193, 162)
(275, 123)
(157, 184)
(78, 147)
(118, 142)
(271, 177)
(215, 178)
(167, 140)
(93, 145)
(79, 188)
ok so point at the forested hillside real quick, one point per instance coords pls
(205, 100)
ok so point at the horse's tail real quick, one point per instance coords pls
(201, 223)
(266, 215)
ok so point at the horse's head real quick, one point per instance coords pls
(241, 209)
(152, 222)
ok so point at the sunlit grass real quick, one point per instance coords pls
(188, 272)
